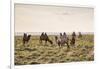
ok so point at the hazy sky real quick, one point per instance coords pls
(39, 18)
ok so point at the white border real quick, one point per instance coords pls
(12, 35)
(72, 65)
(55, 3)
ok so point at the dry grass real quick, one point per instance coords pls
(36, 53)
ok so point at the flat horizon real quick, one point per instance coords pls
(50, 33)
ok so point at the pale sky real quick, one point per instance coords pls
(40, 18)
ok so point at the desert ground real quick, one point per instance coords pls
(36, 53)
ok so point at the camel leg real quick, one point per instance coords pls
(59, 44)
(46, 42)
(67, 44)
(23, 43)
(40, 41)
